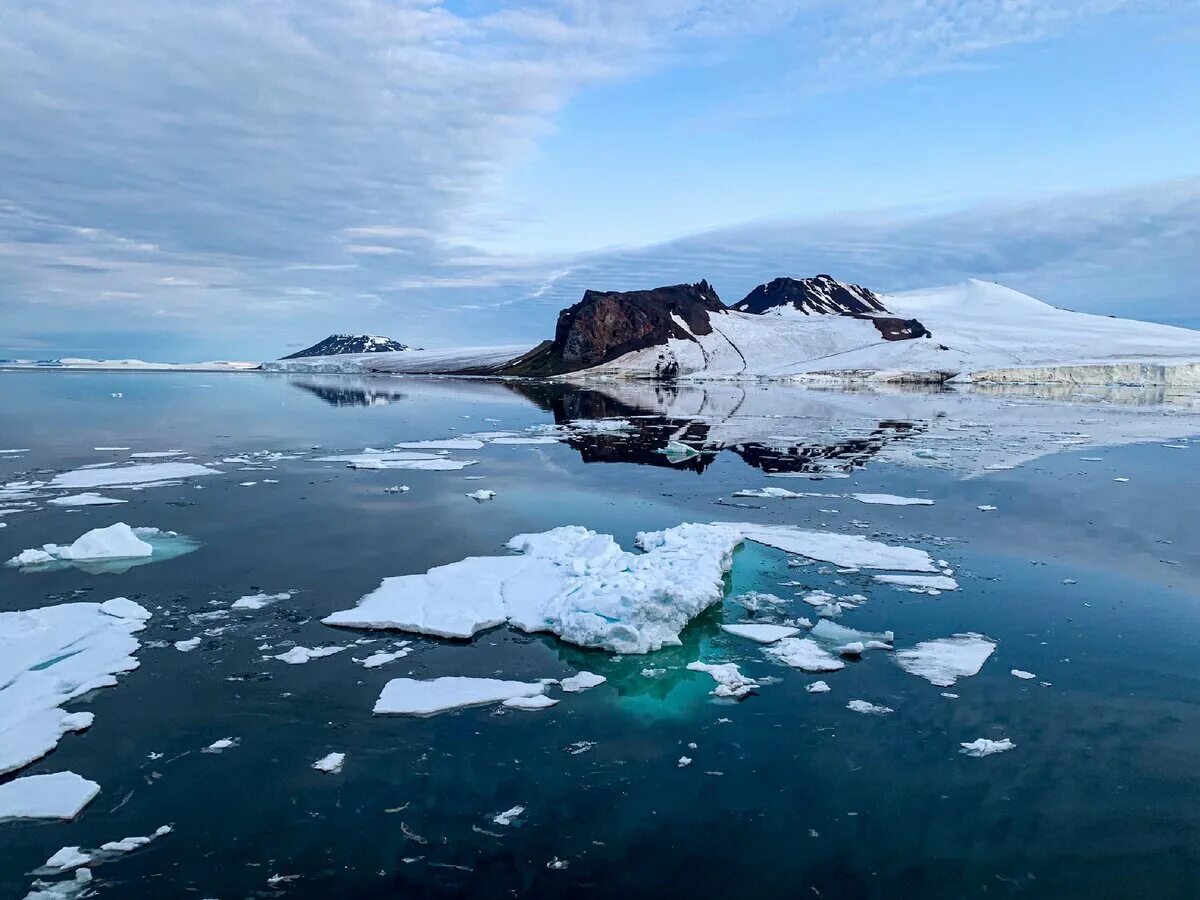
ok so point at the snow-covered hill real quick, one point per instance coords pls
(338, 344)
(979, 331)
(453, 361)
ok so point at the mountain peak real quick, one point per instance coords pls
(338, 344)
(818, 295)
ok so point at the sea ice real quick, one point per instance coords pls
(731, 683)
(581, 681)
(300, 655)
(187, 646)
(870, 709)
(117, 541)
(73, 857)
(891, 500)
(60, 795)
(804, 654)
(508, 816)
(138, 475)
(763, 634)
(85, 499)
(817, 687)
(330, 763)
(541, 701)
(482, 494)
(943, 661)
(985, 747)
(416, 697)
(583, 587)
(1025, 676)
(382, 658)
(463, 443)
(841, 636)
(920, 582)
(221, 745)
(258, 601)
(777, 493)
(399, 459)
(51, 655)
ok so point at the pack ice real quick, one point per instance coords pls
(51, 655)
(583, 587)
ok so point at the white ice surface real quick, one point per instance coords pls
(258, 601)
(924, 582)
(943, 661)
(417, 697)
(581, 681)
(867, 708)
(731, 683)
(891, 500)
(59, 795)
(51, 655)
(762, 634)
(299, 655)
(86, 499)
(804, 654)
(985, 747)
(330, 763)
(130, 476)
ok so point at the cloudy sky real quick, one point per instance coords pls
(195, 179)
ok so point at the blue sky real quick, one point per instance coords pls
(185, 180)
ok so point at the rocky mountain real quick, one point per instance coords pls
(338, 344)
(605, 325)
(821, 294)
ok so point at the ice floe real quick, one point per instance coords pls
(382, 658)
(59, 795)
(69, 858)
(985, 747)
(541, 701)
(581, 681)
(804, 654)
(817, 687)
(731, 683)
(86, 499)
(221, 745)
(114, 548)
(920, 583)
(583, 587)
(1023, 675)
(943, 661)
(137, 475)
(187, 646)
(399, 459)
(482, 495)
(891, 500)
(417, 697)
(762, 634)
(869, 709)
(331, 763)
(299, 655)
(509, 815)
(52, 655)
(258, 601)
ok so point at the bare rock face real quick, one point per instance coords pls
(821, 294)
(607, 324)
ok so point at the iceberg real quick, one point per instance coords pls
(114, 548)
(415, 697)
(583, 587)
(581, 681)
(945, 660)
(52, 655)
(60, 795)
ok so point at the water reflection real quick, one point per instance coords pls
(343, 390)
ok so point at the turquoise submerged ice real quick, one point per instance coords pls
(583, 587)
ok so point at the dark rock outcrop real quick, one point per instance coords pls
(821, 294)
(896, 329)
(607, 324)
(337, 344)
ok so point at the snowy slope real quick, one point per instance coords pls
(407, 362)
(977, 327)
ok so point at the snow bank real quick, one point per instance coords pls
(415, 697)
(60, 795)
(583, 587)
(945, 660)
(51, 655)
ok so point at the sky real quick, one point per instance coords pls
(235, 179)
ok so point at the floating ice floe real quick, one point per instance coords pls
(259, 601)
(52, 655)
(382, 658)
(221, 745)
(69, 858)
(188, 645)
(776, 493)
(583, 587)
(985, 747)
(59, 795)
(416, 697)
(920, 583)
(115, 549)
(891, 500)
(817, 687)
(762, 634)
(731, 683)
(1023, 675)
(850, 641)
(482, 495)
(581, 681)
(299, 655)
(156, 454)
(869, 709)
(463, 443)
(986, 507)
(330, 763)
(804, 654)
(943, 661)
(509, 815)
(137, 475)
(399, 459)
(541, 701)
(86, 499)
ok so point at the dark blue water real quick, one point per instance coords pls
(794, 795)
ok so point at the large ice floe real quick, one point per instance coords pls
(398, 459)
(51, 655)
(417, 697)
(583, 587)
(59, 795)
(945, 660)
(113, 548)
(134, 476)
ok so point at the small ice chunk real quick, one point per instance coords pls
(944, 660)
(299, 655)
(869, 709)
(891, 500)
(417, 697)
(817, 687)
(582, 681)
(920, 582)
(986, 507)
(985, 747)
(509, 815)
(684, 761)
(68, 858)
(187, 646)
(1022, 674)
(541, 701)
(382, 658)
(60, 795)
(482, 494)
(731, 683)
(258, 601)
(804, 654)
(762, 634)
(222, 744)
(330, 763)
